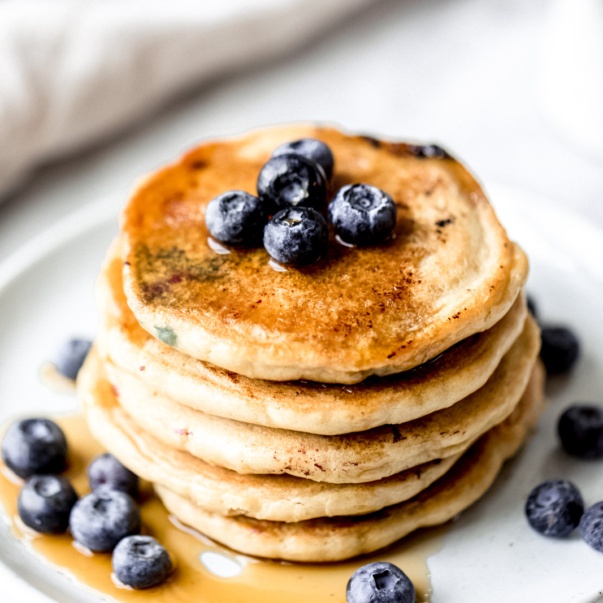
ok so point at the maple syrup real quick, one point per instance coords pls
(205, 572)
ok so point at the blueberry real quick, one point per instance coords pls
(298, 236)
(236, 218)
(429, 151)
(312, 149)
(45, 502)
(580, 428)
(101, 519)
(554, 508)
(560, 349)
(105, 471)
(380, 582)
(70, 357)
(34, 446)
(292, 181)
(362, 214)
(141, 562)
(591, 526)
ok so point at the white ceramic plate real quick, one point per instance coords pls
(490, 554)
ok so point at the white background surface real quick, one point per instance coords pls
(466, 73)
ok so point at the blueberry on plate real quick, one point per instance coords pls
(101, 519)
(591, 526)
(292, 181)
(560, 349)
(45, 502)
(236, 218)
(380, 582)
(362, 214)
(34, 446)
(297, 236)
(141, 562)
(554, 508)
(70, 357)
(105, 471)
(312, 149)
(580, 429)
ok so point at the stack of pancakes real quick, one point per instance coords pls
(316, 413)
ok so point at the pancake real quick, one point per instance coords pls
(352, 458)
(338, 538)
(450, 270)
(299, 406)
(272, 497)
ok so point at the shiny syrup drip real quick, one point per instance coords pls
(250, 580)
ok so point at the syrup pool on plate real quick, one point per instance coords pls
(205, 572)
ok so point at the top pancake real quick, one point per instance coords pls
(449, 272)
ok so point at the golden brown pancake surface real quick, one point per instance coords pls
(449, 272)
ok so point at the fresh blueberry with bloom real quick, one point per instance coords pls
(297, 236)
(70, 357)
(292, 181)
(34, 446)
(141, 562)
(236, 218)
(554, 508)
(580, 429)
(45, 502)
(101, 519)
(560, 349)
(380, 582)
(312, 149)
(105, 471)
(362, 214)
(591, 526)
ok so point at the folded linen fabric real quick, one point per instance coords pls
(73, 72)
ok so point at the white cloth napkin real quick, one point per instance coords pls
(72, 71)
